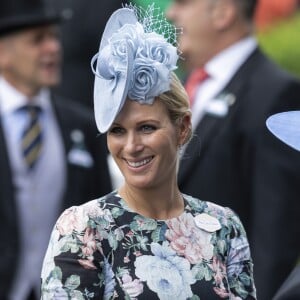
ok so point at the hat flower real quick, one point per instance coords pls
(134, 61)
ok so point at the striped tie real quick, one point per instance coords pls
(32, 137)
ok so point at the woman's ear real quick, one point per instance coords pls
(185, 129)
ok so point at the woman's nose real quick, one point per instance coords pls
(134, 143)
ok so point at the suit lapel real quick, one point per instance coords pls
(7, 197)
(65, 127)
(211, 125)
(63, 122)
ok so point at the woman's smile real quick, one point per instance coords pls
(139, 163)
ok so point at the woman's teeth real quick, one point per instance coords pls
(139, 163)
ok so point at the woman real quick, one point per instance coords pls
(145, 240)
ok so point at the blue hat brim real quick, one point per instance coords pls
(108, 96)
(286, 127)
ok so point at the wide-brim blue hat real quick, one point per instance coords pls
(105, 111)
(134, 61)
(286, 127)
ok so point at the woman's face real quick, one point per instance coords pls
(144, 144)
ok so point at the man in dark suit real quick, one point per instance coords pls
(57, 163)
(232, 159)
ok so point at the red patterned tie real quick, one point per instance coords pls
(193, 82)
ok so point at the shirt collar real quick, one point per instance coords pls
(223, 66)
(17, 99)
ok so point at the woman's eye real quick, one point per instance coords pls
(148, 128)
(116, 130)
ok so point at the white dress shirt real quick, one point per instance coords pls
(221, 69)
(38, 192)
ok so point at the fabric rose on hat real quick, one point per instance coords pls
(152, 59)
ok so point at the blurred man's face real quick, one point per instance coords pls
(31, 58)
(196, 19)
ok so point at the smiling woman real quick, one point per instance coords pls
(145, 240)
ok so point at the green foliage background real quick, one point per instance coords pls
(282, 43)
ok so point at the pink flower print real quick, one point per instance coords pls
(137, 253)
(219, 273)
(126, 260)
(87, 263)
(219, 270)
(130, 233)
(188, 240)
(221, 292)
(93, 210)
(132, 287)
(89, 243)
(71, 219)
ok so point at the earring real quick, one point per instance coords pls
(180, 150)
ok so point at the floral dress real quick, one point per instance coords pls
(104, 250)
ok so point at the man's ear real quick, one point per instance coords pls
(185, 129)
(224, 14)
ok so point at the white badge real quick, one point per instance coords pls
(207, 222)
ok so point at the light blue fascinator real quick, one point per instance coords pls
(286, 127)
(135, 60)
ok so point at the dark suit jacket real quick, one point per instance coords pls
(83, 184)
(234, 161)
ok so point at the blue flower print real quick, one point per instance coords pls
(166, 274)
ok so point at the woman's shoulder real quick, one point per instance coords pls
(207, 206)
(209, 215)
(222, 213)
(89, 210)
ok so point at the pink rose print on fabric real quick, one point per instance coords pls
(219, 274)
(89, 243)
(87, 263)
(88, 249)
(132, 287)
(188, 240)
(71, 219)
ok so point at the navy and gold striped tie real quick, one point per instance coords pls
(32, 137)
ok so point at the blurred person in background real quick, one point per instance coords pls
(79, 36)
(232, 159)
(86, 21)
(50, 155)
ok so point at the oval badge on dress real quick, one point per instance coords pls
(207, 222)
